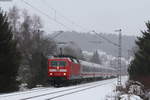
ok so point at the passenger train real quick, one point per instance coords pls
(65, 69)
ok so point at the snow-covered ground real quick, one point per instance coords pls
(89, 91)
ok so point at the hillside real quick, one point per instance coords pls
(84, 41)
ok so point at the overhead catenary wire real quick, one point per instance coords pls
(59, 33)
(119, 83)
(109, 41)
(65, 26)
(60, 14)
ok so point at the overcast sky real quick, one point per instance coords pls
(100, 15)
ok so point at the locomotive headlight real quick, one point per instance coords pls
(57, 67)
(51, 73)
(64, 73)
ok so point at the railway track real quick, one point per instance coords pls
(33, 91)
(24, 92)
(76, 91)
(52, 93)
(58, 94)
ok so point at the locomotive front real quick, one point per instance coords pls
(58, 69)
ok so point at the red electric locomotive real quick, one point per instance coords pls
(61, 69)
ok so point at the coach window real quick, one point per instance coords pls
(89, 69)
(84, 68)
(100, 69)
(96, 69)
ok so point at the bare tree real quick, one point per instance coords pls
(13, 17)
(34, 47)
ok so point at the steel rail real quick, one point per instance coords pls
(25, 92)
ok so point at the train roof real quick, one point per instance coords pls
(90, 64)
(84, 63)
(70, 58)
(65, 56)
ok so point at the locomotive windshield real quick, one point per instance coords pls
(58, 63)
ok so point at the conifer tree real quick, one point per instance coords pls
(139, 68)
(9, 56)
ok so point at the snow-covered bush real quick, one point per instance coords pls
(133, 90)
(39, 85)
(129, 97)
(23, 87)
(135, 87)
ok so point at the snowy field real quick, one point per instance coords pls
(89, 91)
